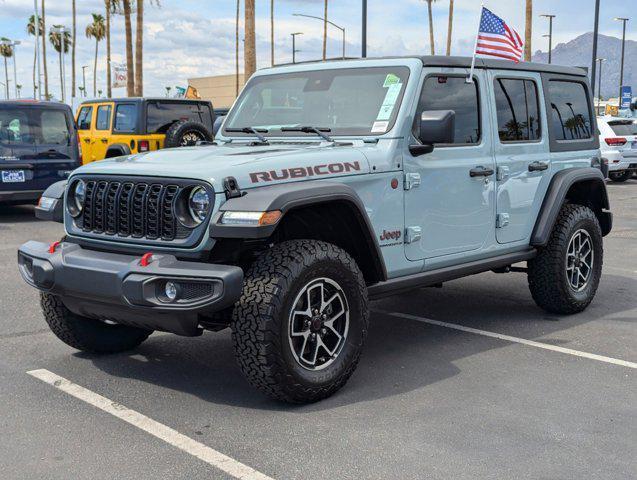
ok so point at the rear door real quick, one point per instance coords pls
(521, 151)
(101, 130)
(84, 128)
(17, 149)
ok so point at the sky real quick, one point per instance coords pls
(188, 38)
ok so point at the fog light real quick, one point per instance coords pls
(171, 291)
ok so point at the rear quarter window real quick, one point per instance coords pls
(570, 116)
(125, 118)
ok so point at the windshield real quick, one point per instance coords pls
(33, 126)
(353, 101)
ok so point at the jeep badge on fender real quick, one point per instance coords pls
(330, 184)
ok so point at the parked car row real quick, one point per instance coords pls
(618, 144)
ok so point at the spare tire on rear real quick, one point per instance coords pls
(186, 133)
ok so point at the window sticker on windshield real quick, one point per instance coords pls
(386, 109)
(391, 79)
(380, 127)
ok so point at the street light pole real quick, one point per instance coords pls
(621, 69)
(599, 91)
(550, 17)
(342, 29)
(294, 50)
(84, 67)
(594, 60)
(364, 31)
(61, 30)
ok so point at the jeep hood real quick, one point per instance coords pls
(252, 166)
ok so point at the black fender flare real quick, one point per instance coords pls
(288, 197)
(56, 212)
(584, 185)
(121, 148)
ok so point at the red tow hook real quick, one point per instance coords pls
(53, 246)
(147, 258)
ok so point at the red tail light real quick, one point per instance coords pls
(144, 145)
(615, 141)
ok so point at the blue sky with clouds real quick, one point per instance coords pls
(190, 38)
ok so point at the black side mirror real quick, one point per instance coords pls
(436, 126)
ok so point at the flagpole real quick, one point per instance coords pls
(475, 46)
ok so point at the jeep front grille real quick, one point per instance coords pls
(135, 209)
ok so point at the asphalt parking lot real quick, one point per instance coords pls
(468, 381)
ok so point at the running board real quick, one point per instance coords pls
(433, 277)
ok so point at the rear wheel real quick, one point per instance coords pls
(88, 334)
(620, 176)
(564, 276)
(300, 325)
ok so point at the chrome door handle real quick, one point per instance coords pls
(538, 166)
(481, 172)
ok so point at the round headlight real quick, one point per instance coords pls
(79, 194)
(199, 204)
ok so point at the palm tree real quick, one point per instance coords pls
(250, 51)
(6, 50)
(431, 26)
(96, 30)
(272, 33)
(528, 31)
(31, 31)
(450, 27)
(61, 44)
(130, 71)
(139, 47)
(46, 73)
(74, 13)
(325, 30)
(236, 49)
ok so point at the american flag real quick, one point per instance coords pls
(497, 39)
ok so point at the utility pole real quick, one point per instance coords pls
(550, 17)
(294, 50)
(621, 70)
(364, 31)
(594, 60)
(84, 67)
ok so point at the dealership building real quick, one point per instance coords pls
(220, 89)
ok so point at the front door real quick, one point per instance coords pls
(101, 131)
(521, 151)
(84, 129)
(453, 208)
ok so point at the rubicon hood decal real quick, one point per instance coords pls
(302, 172)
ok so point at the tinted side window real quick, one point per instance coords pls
(125, 118)
(453, 93)
(517, 109)
(84, 118)
(160, 116)
(570, 112)
(15, 127)
(103, 121)
(54, 129)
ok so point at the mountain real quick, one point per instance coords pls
(578, 52)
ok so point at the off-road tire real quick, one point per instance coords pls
(261, 320)
(88, 334)
(620, 177)
(178, 130)
(547, 276)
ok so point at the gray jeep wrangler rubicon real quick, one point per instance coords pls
(331, 184)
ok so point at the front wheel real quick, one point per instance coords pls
(299, 327)
(564, 276)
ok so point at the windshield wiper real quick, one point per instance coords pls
(309, 129)
(255, 131)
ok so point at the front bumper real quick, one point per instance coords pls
(118, 288)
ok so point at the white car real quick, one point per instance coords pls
(618, 144)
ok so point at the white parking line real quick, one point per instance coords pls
(212, 457)
(508, 338)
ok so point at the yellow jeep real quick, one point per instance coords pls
(114, 127)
